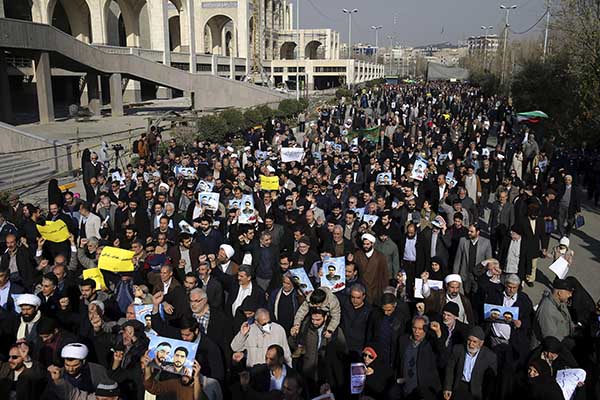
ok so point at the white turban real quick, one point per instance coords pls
(453, 278)
(77, 351)
(369, 237)
(229, 252)
(28, 300)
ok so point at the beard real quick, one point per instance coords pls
(28, 318)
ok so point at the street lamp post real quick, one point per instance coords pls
(485, 44)
(376, 29)
(391, 39)
(506, 25)
(350, 12)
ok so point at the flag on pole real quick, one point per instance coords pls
(531, 116)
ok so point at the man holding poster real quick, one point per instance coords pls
(419, 167)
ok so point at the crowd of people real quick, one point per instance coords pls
(437, 255)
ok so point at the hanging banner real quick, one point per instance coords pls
(54, 231)
(289, 154)
(116, 260)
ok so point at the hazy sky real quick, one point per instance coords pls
(419, 22)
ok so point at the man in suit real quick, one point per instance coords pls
(511, 340)
(173, 294)
(470, 368)
(569, 204)
(89, 223)
(239, 288)
(437, 241)
(270, 375)
(535, 240)
(19, 263)
(414, 255)
(7, 289)
(502, 218)
(212, 286)
(471, 252)
(436, 300)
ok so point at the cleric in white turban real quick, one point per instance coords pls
(30, 315)
(82, 375)
(435, 300)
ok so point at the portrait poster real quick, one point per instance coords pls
(172, 355)
(384, 179)
(209, 200)
(333, 273)
(370, 220)
(500, 314)
(418, 171)
(301, 280)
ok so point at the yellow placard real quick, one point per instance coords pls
(67, 186)
(96, 275)
(269, 182)
(54, 231)
(116, 260)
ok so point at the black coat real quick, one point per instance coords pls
(354, 324)
(401, 318)
(427, 363)
(26, 266)
(484, 370)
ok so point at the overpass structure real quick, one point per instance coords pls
(49, 47)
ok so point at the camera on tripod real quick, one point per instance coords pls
(117, 147)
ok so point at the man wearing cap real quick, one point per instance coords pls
(435, 300)
(552, 317)
(470, 369)
(373, 269)
(454, 331)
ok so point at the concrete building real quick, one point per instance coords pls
(478, 44)
(226, 39)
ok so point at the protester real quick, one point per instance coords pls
(229, 258)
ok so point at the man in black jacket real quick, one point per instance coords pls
(416, 362)
(470, 368)
(355, 318)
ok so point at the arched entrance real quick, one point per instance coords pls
(288, 51)
(72, 17)
(175, 33)
(218, 35)
(314, 50)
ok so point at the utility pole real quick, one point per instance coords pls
(298, 50)
(546, 32)
(391, 39)
(485, 44)
(506, 25)
(376, 29)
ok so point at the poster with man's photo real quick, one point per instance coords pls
(418, 171)
(370, 219)
(301, 280)
(204, 186)
(172, 355)
(209, 200)
(384, 179)
(333, 273)
(247, 201)
(500, 314)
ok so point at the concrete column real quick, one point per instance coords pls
(2, 15)
(43, 84)
(291, 16)
(98, 22)
(301, 47)
(191, 24)
(328, 46)
(159, 36)
(133, 92)
(214, 63)
(232, 68)
(6, 112)
(242, 27)
(93, 93)
(116, 95)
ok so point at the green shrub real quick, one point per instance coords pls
(212, 127)
(266, 111)
(291, 107)
(253, 116)
(343, 92)
(234, 120)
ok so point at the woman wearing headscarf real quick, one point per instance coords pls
(540, 383)
(379, 376)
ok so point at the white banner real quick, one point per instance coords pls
(289, 154)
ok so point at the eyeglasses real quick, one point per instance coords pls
(367, 355)
(12, 357)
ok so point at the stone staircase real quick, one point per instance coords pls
(17, 171)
